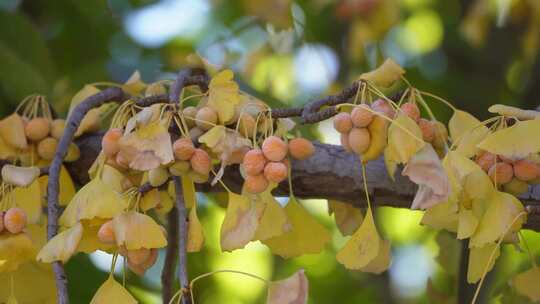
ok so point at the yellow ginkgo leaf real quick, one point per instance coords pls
(87, 91)
(188, 191)
(134, 85)
(223, 95)
(515, 141)
(382, 261)
(149, 200)
(12, 131)
(390, 163)
(362, 247)
(385, 75)
(466, 132)
(502, 213)
(33, 282)
(213, 136)
(135, 230)
(301, 238)
(114, 178)
(348, 218)
(28, 198)
(91, 122)
(274, 221)
(62, 246)
(90, 242)
(165, 203)
(94, 200)
(526, 283)
(292, 290)
(478, 261)
(467, 224)
(15, 249)
(404, 139)
(442, 216)
(510, 111)
(112, 292)
(241, 221)
(6, 151)
(195, 231)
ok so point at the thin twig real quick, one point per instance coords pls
(53, 208)
(182, 238)
(311, 113)
(169, 266)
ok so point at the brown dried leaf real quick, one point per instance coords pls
(293, 290)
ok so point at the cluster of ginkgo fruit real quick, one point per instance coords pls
(13, 220)
(514, 176)
(270, 164)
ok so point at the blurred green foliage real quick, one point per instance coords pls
(460, 50)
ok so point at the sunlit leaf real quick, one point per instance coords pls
(293, 290)
(404, 139)
(526, 283)
(467, 224)
(33, 282)
(382, 261)
(274, 221)
(195, 231)
(385, 75)
(136, 230)
(515, 141)
(241, 222)
(112, 292)
(478, 261)
(223, 95)
(466, 132)
(62, 246)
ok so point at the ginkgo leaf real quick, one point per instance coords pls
(466, 132)
(33, 282)
(134, 85)
(27, 198)
(12, 131)
(188, 191)
(425, 169)
(478, 261)
(390, 164)
(292, 290)
(274, 221)
(385, 75)
(213, 136)
(404, 139)
(6, 151)
(62, 246)
(467, 224)
(94, 200)
(149, 200)
(223, 95)
(241, 222)
(526, 283)
(449, 249)
(19, 176)
(501, 214)
(382, 261)
(514, 142)
(362, 247)
(301, 238)
(195, 237)
(442, 216)
(510, 111)
(135, 230)
(112, 292)
(90, 242)
(348, 218)
(114, 178)
(15, 249)
(87, 91)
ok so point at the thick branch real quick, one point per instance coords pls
(169, 266)
(182, 240)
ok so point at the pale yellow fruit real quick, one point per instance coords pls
(47, 148)
(359, 140)
(37, 128)
(361, 116)
(206, 118)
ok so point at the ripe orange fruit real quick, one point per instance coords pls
(427, 128)
(526, 170)
(109, 142)
(275, 172)
(138, 256)
(206, 118)
(200, 162)
(255, 183)
(151, 259)
(274, 148)
(37, 128)
(57, 128)
(411, 110)
(183, 148)
(301, 148)
(486, 160)
(343, 122)
(246, 125)
(382, 106)
(501, 173)
(344, 138)
(15, 220)
(254, 162)
(47, 148)
(359, 140)
(361, 116)
(106, 233)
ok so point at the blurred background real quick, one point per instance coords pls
(473, 53)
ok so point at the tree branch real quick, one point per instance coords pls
(169, 266)
(182, 240)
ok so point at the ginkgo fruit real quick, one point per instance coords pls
(275, 172)
(411, 110)
(109, 142)
(105, 233)
(158, 176)
(183, 148)
(382, 106)
(200, 162)
(485, 160)
(343, 122)
(526, 170)
(516, 186)
(255, 183)
(15, 220)
(344, 139)
(501, 173)
(206, 118)
(246, 125)
(359, 140)
(301, 148)
(361, 116)
(138, 256)
(37, 128)
(440, 136)
(47, 147)
(274, 148)
(427, 128)
(189, 115)
(254, 162)
(57, 128)
(198, 178)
